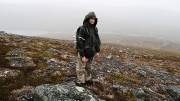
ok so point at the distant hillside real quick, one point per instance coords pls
(127, 40)
(62, 36)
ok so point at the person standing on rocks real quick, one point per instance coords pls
(88, 47)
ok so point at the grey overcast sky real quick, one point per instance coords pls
(159, 18)
(167, 4)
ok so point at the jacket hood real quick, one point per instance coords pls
(88, 16)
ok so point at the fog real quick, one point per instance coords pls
(156, 18)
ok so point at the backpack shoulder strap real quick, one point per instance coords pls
(96, 31)
(96, 28)
(78, 29)
(85, 29)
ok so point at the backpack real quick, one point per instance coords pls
(75, 33)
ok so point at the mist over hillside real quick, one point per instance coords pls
(126, 40)
(128, 20)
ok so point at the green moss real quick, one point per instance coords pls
(122, 77)
(41, 65)
(46, 46)
(47, 54)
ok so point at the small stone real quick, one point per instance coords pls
(57, 73)
(101, 79)
(5, 72)
(142, 73)
(146, 56)
(109, 57)
(108, 71)
(63, 69)
(136, 56)
(139, 93)
(120, 51)
(124, 90)
(160, 60)
(163, 96)
(116, 87)
(72, 62)
(112, 48)
(108, 64)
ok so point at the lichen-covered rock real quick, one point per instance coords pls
(21, 61)
(174, 92)
(18, 52)
(139, 93)
(142, 73)
(63, 92)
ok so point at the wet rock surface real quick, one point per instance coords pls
(63, 92)
(120, 74)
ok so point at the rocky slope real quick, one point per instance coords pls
(121, 74)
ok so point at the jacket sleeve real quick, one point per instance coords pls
(98, 44)
(81, 41)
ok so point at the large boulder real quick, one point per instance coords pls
(63, 92)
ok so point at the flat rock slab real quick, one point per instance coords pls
(21, 62)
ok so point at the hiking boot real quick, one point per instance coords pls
(90, 83)
(80, 84)
(88, 77)
(95, 80)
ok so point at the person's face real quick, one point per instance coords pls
(92, 21)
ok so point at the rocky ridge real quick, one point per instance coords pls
(122, 73)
